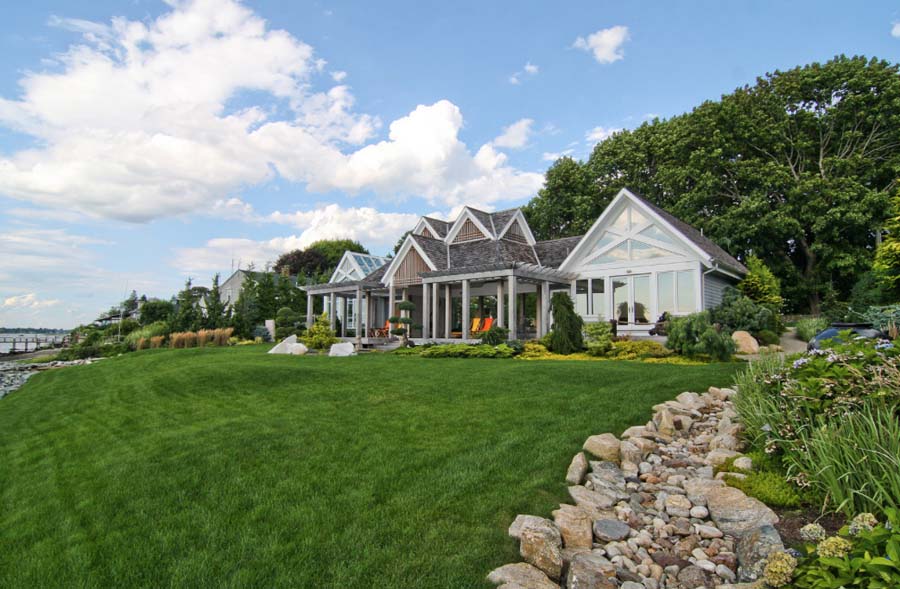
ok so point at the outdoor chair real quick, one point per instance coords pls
(476, 323)
(382, 331)
(485, 325)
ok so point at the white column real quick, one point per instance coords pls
(448, 310)
(343, 316)
(435, 308)
(309, 310)
(391, 299)
(426, 310)
(500, 320)
(513, 318)
(465, 309)
(545, 307)
(358, 322)
(332, 315)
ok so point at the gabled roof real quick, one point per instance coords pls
(551, 253)
(478, 253)
(355, 266)
(435, 249)
(441, 228)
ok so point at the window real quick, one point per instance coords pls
(621, 222)
(598, 297)
(666, 290)
(686, 292)
(653, 232)
(676, 292)
(644, 251)
(581, 297)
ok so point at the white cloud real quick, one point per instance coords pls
(29, 301)
(515, 136)
(598, 134)
(140, 122)
(552, 156)
(895, 30)
(529, 69)
(605, 44)
(339, 76)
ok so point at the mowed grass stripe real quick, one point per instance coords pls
(233, 468)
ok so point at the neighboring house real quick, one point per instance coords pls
(231, 289)
(636, 262)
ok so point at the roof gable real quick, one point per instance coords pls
(356, 266)
(422, 245)
(477, 219)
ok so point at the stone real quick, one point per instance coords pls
(724, 442)
(524, 521)
(745, 343)
(522, 575)
(719, 457)
(590, 571)
(342, 349)
(708, 531)
(577, 469)
(678, 505)
(603, 446)
(284, 346)
(574, 525)
(630, 453)
(692, 577)
(735, 513)
(610, 530)
(666, 559)
(699, 512)
(690, 400)
(725, 572)
(644, 445)
(297, 349)
(637, 431)
(753, 548)
(631, 585)
(591, 500)
(743, 463)
(665, 423)
(541, 546)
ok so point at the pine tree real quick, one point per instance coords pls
(566, 336)
(215, 308)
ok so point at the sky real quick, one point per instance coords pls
(143, 143)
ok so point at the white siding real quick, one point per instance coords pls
(713, 287)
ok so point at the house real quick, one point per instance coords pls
(353, 266)
(231, 289)
(636, 262)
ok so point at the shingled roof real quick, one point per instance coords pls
(435, 249)
(441, 227)
(553, 252)
(700, 240)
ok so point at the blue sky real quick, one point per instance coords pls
(145, 142)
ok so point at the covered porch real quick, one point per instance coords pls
(357, 310)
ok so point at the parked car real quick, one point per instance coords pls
(832, 333)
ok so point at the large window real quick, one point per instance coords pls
(677, 292)
(590, 297)
(581, 297)
(598, 297)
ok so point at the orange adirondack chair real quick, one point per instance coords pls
(485, 325)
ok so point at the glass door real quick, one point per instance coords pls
(631, 299)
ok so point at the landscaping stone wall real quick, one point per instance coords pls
(649, 511)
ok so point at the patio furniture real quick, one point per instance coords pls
(382, 331)
(485, 325)
(476, 323)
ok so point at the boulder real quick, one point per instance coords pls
(592, 501)
(577, 469)
(735, 513)
(698, 489)
(611, 530)
(342, 349)
(724, 442)
(522, 575)
(692, 577)
(665, 423)
(541, 546)
(603, 446)
(297, 349)
(524, 521)
(720, 456)
(743, 463)
(284, 346)
(745, 343)
(752, 550)
(591, 571)
(574, 525)
(630, 453)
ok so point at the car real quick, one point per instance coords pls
(864, 330)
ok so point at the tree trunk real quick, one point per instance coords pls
(809, 274)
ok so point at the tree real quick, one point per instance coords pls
(887, 258)
(155, 310)
(796, 168)
(245, 310)
(566, 336)
(266, 299)
(130, 305)
(215, 307)
(562, 206)
(302, 263)
(760, 285)
(288, 295)
(188, 316)
(400, 241)
(333, 249)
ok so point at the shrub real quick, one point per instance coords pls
(740, 313)
(320, 336)
(494, 336)
(771, 488)
(534, 351)
(142, 344)
(599, 338)
(203, 337)
(694, 335)
(866, 557)
(808, 328)
(146, 332)
(767, 338)
(468, 351)
(183, 339)
(566, 335)
(157, 341)
(260, 332)
(883, 318)
(638, 349)
(287, 323)
(761, 286)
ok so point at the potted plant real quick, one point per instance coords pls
(404, 321)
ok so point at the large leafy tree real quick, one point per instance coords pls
(796, 169)
(317, 261)
(563, 206)
(887, 258)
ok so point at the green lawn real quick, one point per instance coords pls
(233, 468)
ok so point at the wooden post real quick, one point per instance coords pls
(465, 308)
(309, 310)
(426, 310)
(358, 321)
(344, 316)
(391, 301)
(513, 323)
(545, 307)
(448, 311)
(500, 319)
(435, 309)
(331, 311)
(538, 316)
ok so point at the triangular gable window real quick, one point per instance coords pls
(654, 232)
(468, 232)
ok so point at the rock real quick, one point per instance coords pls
(342, 349)
(630, 453)
(698, 489)
(574, 525)
(719, 457)
(541, 546)
(610, 530)
(666, 559)
(708, 531)
(637, 431)
(603, 446)
(724, 442)
(743, 463)
(591, 500)
(631, 585)
(577, 469)
(692, 577)
(645, 446)
(591, 571)
(522, 575)
(526, 521)
(665, 423)
(699, 512)
(678, 505)
(753, 548)
(735, 513)
(297, 349)
(725, 572)
(284, 346)
(745, 343)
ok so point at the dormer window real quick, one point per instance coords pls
(468, 232)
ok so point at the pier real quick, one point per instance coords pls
(21, 343)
